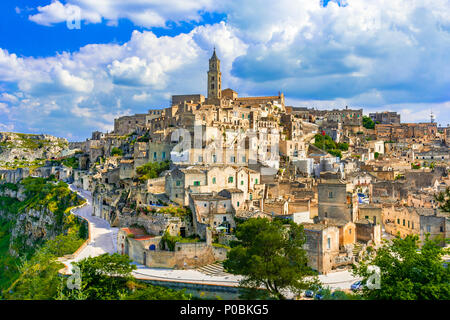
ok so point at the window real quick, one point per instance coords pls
(412, 225)
(242, 182)
(408, 223)
(232, 159)
(178, 183)
(428, 228)
(154, 155)
(200, 158)
(238, 203)
(224, 219)
(441, 229)
(251, 196)
(212, 85)
(204, 205)
(230, 179)
(330, 194)
(403, 221)
(196, 183)
(256, 181)
(214, 158)
(164, 155)
(398, 221)
(328, 243)
(243, 159)
(349, 231)
(214, 180)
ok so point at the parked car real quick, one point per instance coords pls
(356, 286)
(309, 293)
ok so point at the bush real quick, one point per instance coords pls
(152, 170)
(368, 123)
(116, 152)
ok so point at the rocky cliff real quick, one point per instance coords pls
(39, 210)
(16, 147)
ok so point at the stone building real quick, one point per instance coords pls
(211, 210)
(385, 117)
(334, 202)
(420, 221)
(322, 246)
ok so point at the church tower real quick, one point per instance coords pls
(214, 80)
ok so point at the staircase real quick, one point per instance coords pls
(357, 249)
(215, 269)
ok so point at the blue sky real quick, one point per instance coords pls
(129, 56)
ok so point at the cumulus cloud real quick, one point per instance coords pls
(147, 13)
(361, 53)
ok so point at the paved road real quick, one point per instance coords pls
(104, 239)
(103, 236)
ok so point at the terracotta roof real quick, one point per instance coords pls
(139, 233)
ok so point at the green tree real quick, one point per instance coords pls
(343, 146)
(104, 277)
(116, 152)
(152, 170)
(443, 198)
(270, 254)
(405, 271)
(376, 155)
(368, 123)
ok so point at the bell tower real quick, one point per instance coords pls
(214, 80)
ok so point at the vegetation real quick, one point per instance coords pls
(180, 212)
(22, 164)
(34, 260)
(270, 254)
(108, 277)
(415, 165)
(71, 162)
(148, 292)
(368, 123)
(152, 170)
(116, 152)
(376, 155)
(443, 198)
(327, 144)
(168, 242)
(37, 278)
(406, 271)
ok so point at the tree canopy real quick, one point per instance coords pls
(152, 170)
(443, 198)
(368, 123)
(270, 254)
(406, 272)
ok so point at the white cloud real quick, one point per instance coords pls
(56, 12)
(142, 97)
(147, 13)
(370, 54)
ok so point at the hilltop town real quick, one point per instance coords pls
(176, 181)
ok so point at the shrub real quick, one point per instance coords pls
(116, 152)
